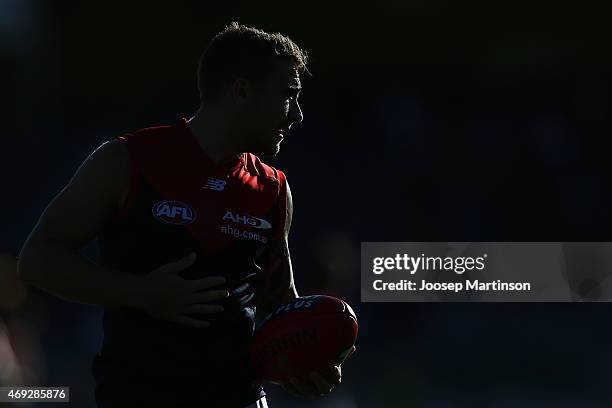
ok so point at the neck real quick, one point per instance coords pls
(214, 136)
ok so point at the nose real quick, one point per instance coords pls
(295, 113)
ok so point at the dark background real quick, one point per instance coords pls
(425, 120)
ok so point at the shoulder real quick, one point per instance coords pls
(148, 146)
(111, 156)
(147, 135)
(256, 167)
(104, 174)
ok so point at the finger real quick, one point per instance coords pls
(305, 389)
(204, 309)
(190, 321)
(207, 296)
(323, 387)
(337, 372)
(181, 264)
(333, 376)
(207, 283)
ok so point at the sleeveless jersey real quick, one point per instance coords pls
(179, 202)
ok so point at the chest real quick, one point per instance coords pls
(214, 211)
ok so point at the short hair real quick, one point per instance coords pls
(239, 50)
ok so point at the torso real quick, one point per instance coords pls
(178, 202)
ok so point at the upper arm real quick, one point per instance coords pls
(277, 286)
(288, 213)
(88, 201)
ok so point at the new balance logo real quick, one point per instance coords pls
(214, 184)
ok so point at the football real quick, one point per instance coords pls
(310, 333)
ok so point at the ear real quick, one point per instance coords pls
(240, 90)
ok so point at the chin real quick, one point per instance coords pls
(269, 151)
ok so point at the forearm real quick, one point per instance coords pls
(64, 273)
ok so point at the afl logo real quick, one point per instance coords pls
(174, 212)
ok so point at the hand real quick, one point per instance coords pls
(170, 297)
(316, 385)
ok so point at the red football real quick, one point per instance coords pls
(310, 333)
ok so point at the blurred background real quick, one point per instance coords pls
(425, 120)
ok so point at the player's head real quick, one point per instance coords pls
(254, 77)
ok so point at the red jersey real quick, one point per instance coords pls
(180, 202)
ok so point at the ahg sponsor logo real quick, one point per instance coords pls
(174, 212)
(248, 220)
(240, 233)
